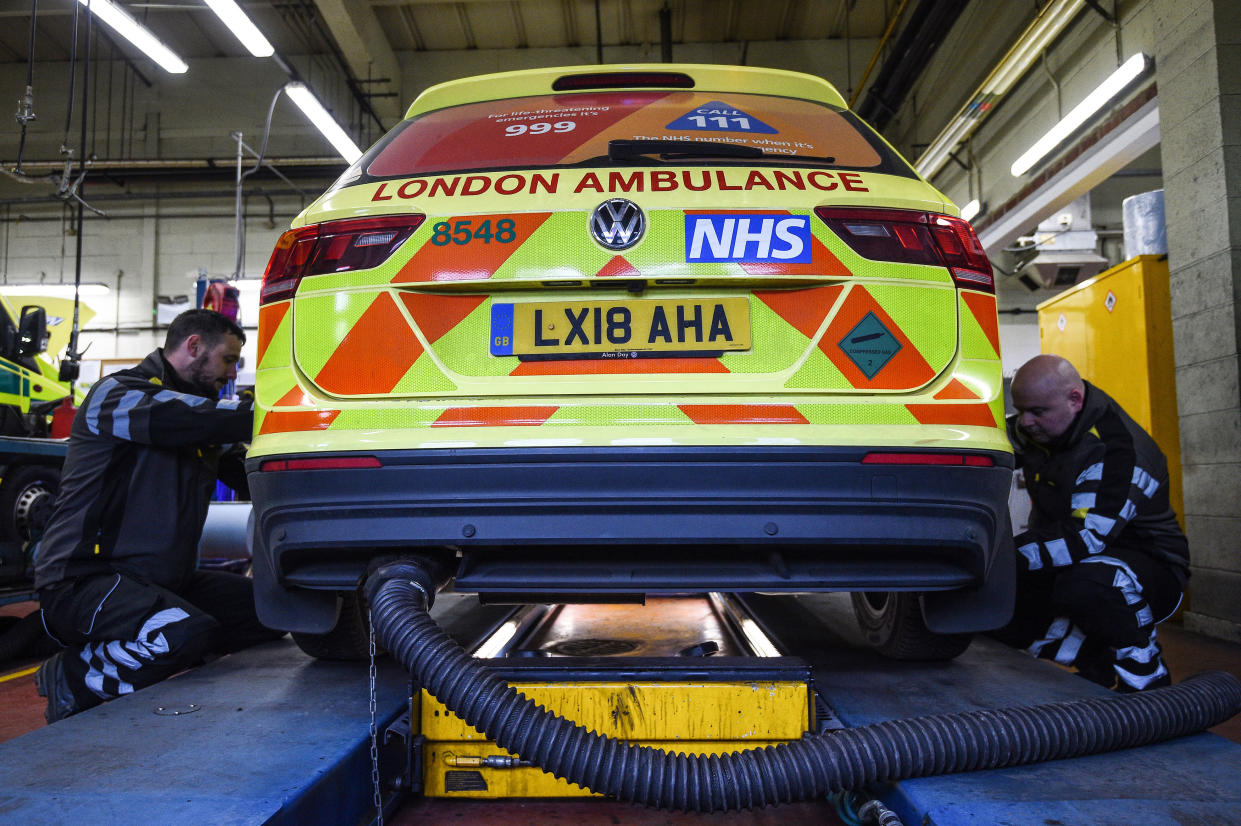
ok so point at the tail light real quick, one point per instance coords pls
(321, 463)
(969, 459)
(333, 246)
(908, 237)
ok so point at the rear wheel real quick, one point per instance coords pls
(348, 640)
(27, 494)
(892, 624)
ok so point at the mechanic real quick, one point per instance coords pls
(116, 570)
(1104, 559)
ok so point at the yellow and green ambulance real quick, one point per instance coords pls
(599, 332)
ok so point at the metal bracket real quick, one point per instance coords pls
(1094, 4)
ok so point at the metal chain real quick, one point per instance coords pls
(379, 805)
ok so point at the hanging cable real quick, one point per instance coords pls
(69, 367)
(25, 106)
(241, 179)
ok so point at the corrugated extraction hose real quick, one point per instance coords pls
(802, 770)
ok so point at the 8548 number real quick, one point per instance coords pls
(463, 232)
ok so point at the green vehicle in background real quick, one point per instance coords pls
(31, 455)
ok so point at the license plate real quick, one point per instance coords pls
(633, 328)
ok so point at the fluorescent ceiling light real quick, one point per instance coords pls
(57, 289)
(120, 22)
(1116, 82)
(316, 114)
(1037, 36)
(240, 25)
(970, 211)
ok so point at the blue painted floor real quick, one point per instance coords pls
(1193, 780)
(281, 738)
(276, 733)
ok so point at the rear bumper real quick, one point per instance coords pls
(555, 522)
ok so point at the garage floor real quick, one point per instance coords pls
(1187, 653)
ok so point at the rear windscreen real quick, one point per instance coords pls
(572, 129)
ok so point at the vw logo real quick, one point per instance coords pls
(617, 224)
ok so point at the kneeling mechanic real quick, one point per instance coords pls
(116, 570)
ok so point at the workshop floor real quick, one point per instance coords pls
(21, 711)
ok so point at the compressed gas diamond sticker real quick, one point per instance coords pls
(870, 345)
(1110, 301)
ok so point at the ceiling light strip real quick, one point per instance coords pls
(120, 22)
(322, 120)
(242, 27)
(1116, 82)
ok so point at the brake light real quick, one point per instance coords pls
(333, 246)
(908, 237)
(321, 463)
(622, 80)
(971, 460)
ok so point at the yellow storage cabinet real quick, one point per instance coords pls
(1116, 328)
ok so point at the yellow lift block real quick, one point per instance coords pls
(683, 674)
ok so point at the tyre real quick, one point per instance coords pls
(892, 624)
(348, 640)
(27, 494)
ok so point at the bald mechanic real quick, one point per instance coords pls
(117, 570)
(1104, 559)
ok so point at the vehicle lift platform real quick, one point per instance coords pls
(269, 735)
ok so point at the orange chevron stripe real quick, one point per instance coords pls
(294, 398)
(270, 316)
(618, 267)
(494, 416)
(435, 315)
(822, 262)
(449, 263)
(906, 369)
(611, 367)
(374, 354)
(978, 415)
(983, 308)
(743, 414)
(297, 420)
(804, 309)
(956, 390)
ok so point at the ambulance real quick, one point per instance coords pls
(596, 333)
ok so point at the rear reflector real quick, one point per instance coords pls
(321, 463)
(907, 237)
(623, 80)
(971, 460)
(333, 246)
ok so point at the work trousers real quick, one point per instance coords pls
(124, 634)
(1099, 616)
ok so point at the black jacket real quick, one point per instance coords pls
(139, 474)
(1103, 484)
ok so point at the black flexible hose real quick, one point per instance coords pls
(800, 770)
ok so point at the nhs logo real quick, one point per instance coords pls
(748, 239)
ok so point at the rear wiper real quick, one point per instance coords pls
(626, 150)
(672, 150)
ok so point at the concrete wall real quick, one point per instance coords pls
(1200, 98)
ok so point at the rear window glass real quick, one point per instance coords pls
(569, 129)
